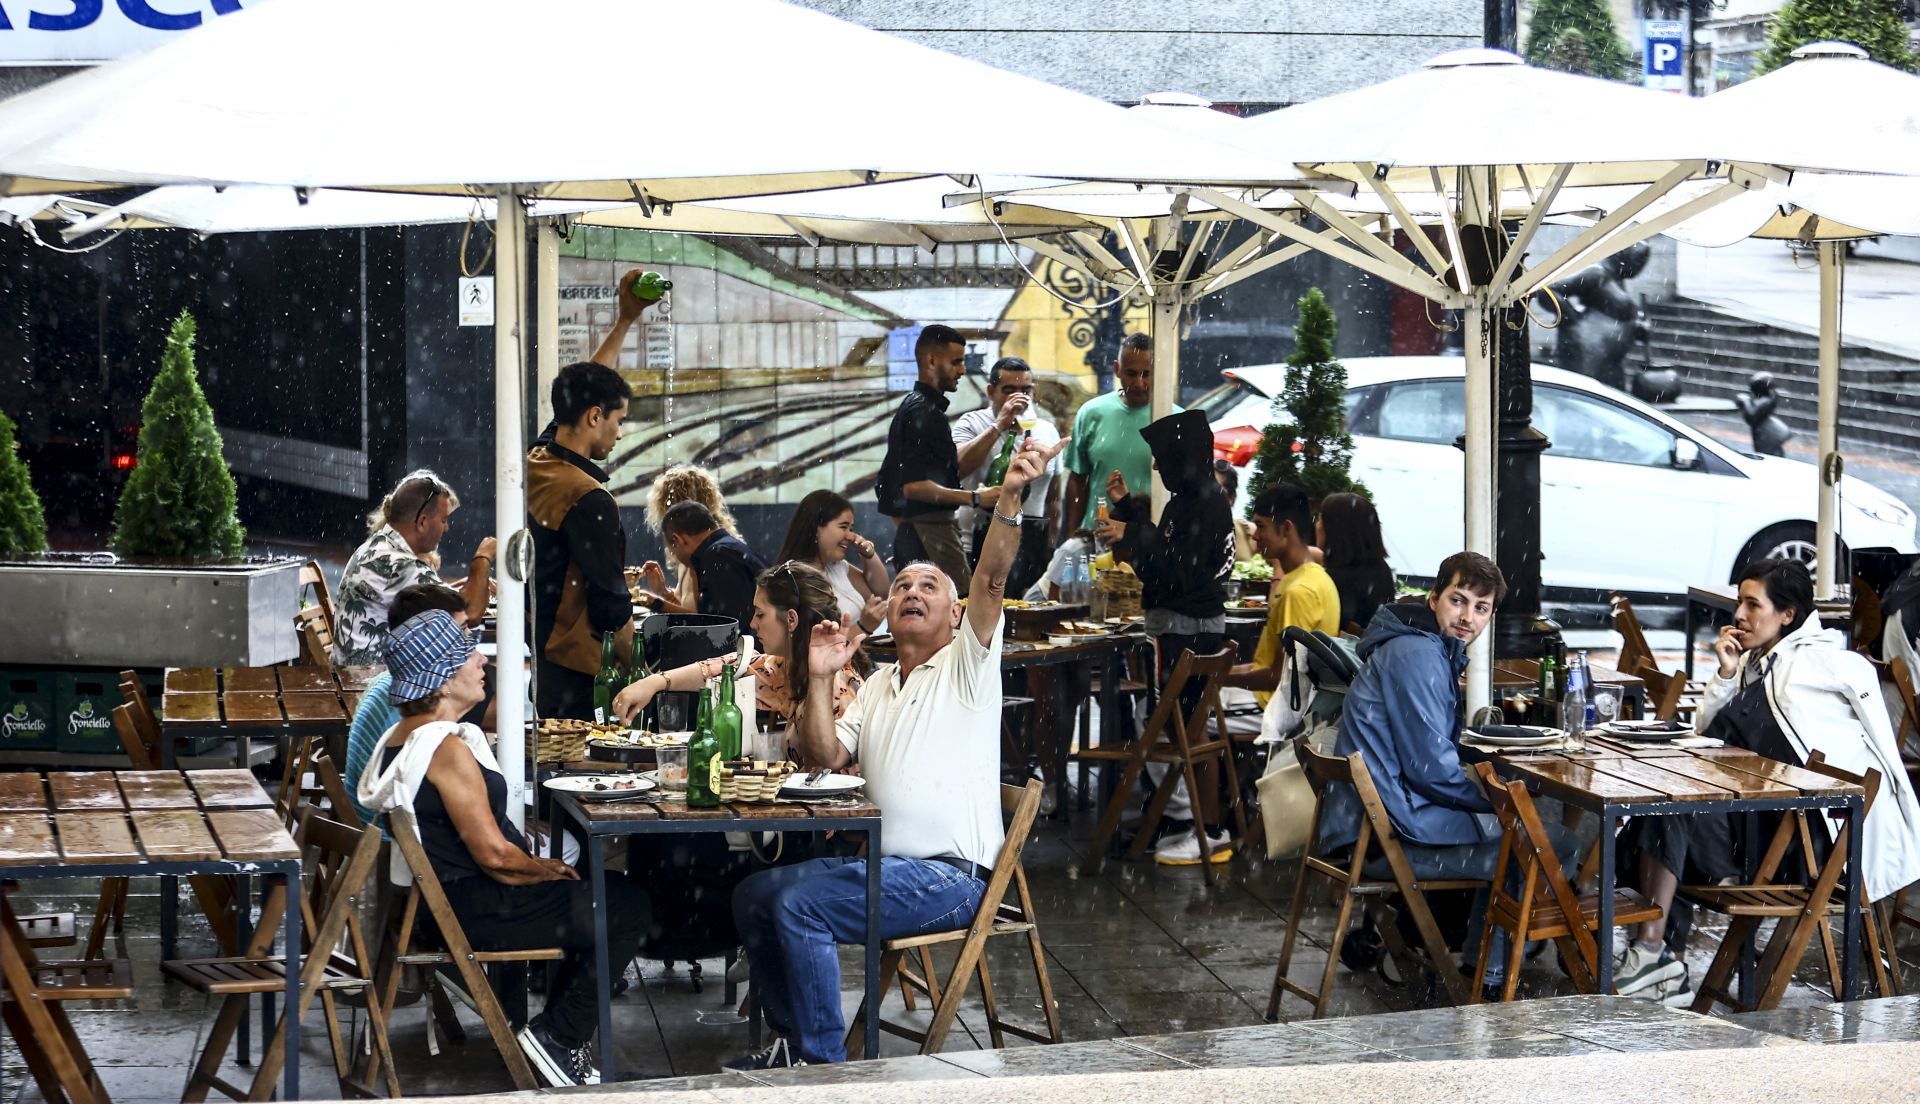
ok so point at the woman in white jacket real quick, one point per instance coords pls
(1784, 687)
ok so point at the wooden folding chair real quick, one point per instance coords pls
(315, 626)
(1176, 738)
(1633, 639)
(453, 950)
(1671, 691)
(1546, 906)
(314, 579)
(1347, 873)
(338, 860)
(1802, 910)
(995, 917)
(1902, 679)
(30, 1006)
(1666, 693)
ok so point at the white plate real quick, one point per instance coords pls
(1541, 736)
(826, 785)
(586, 786)
(1630, 730)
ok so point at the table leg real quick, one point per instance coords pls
(169, 916)
(1109, 719)
(1850, 926)
(1603, 974)
(602, 964)
(243, 936)
(290, 934)
(872, 1044)
(1749, 870)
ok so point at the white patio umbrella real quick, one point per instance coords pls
(376, 95)
(1832, 109)
(1470, 129)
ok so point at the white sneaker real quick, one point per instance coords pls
(1675, 992)
(1640, 968)
(1184, 849)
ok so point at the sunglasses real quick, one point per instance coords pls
(420, 515)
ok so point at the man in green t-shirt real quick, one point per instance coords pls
(1304, 595)
(1106, 436)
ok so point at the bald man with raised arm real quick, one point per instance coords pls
(926, 733)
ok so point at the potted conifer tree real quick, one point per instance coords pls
(1308, 443)
(23, 525)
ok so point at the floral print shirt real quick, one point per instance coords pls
(374, 574)
(770, 686)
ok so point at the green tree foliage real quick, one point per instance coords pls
(1872, 25)
(179, 502)
(1577, 36)
(1308, 443)
(23, 525)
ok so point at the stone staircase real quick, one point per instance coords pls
(1717, 354)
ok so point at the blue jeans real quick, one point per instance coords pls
(793, 918)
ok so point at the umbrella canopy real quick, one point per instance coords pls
(373, 94)
(1832, 110)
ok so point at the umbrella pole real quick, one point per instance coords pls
(510, 496)
(1166, 366)
(546, 316)
(1482, 322)
(1826, 546)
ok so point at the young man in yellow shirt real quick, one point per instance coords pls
(1304, 594)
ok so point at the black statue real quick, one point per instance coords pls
(1600, 319)
(1770, 434)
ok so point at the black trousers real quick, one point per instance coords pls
(500, 917)
(564, 692)
(1030, 562)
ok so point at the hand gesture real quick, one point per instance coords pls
(832, 646)
(1029, 464)
(859, 544)
(1010, 410)
(633, 698)
(1110, 531)
(874, 611)
(486, 548)
(990, 496)
(1116, 486)
(1727, 649)
(652, 577)
(630, 304)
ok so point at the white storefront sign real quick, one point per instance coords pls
(78, 32)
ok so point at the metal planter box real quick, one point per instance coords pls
(91, 611)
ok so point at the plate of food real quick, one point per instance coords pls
(633, 738)
(600, 787)
(820, 783)
(1647, 732)
(1514, 735)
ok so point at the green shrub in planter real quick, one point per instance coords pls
(23, 525)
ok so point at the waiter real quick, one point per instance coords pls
(919, 486)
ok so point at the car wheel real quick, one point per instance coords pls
(1793, 540)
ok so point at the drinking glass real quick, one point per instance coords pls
(670, 712)
(1606, 705)
(672, 768)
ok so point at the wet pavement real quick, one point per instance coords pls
(1154, 969)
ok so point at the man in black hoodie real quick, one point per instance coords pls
(1183, 562)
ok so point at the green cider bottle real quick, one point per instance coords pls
(700, 757)
(726, 717)
(997, 472)
(642, 718)
(607, 683)
(649, 287)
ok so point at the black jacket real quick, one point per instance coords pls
(1185, 560)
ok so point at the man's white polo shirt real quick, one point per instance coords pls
(930, 750)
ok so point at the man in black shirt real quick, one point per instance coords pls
(579, 545)
(724, 568)
(919, 486)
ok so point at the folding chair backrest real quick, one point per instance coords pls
(1021, 806)
(329, 784)
(339, 858)
(315, 626)
(311, 576)
(1527, 843)
(1633, 640)
(1189, 667)
(1903, 685)
(1663, 690)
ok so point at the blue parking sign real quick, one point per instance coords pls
(1665, 54)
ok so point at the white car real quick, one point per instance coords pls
(1631, 499)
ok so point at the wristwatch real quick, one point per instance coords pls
(976, 499)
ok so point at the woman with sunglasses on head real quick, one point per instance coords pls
(401, 550)
(791, 598)
(820, 536)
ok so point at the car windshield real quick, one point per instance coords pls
(1222, 399)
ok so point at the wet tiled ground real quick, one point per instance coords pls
(1153, 968)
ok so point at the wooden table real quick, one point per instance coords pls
(107, 824)
(1619, 778)
(659, 815)
(245, 703)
